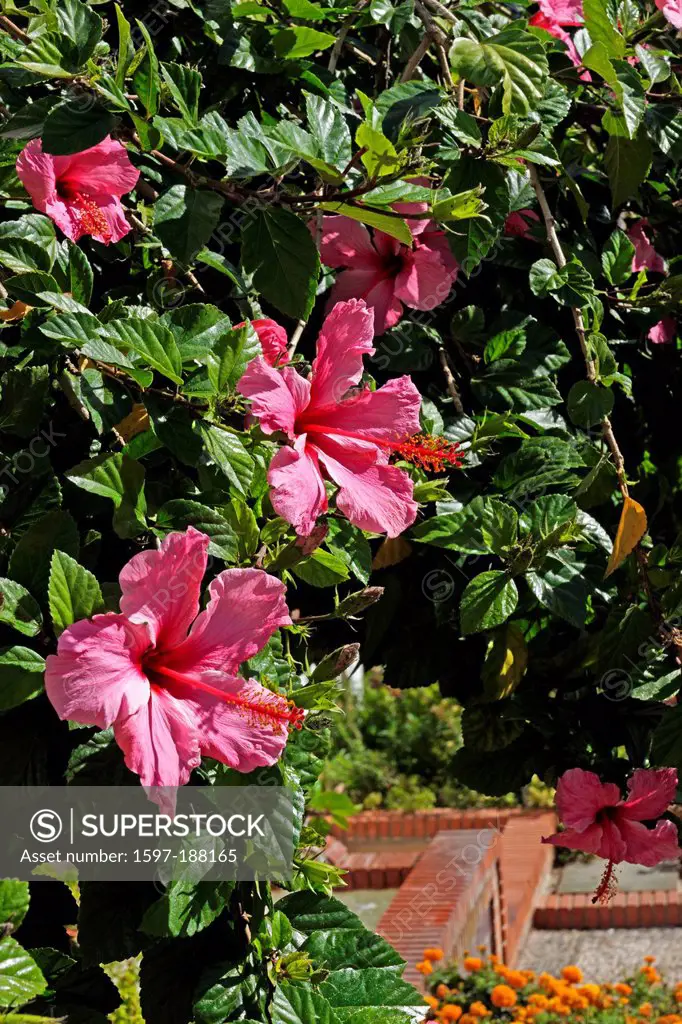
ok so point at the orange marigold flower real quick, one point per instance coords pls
(517, 979)
(678, 995)
(442, 991)
(479, 1009)
(622, 989)
(466, 1018)
(425, 967)
(432, 1002)
(645, 1010)
(669, 1018)
(590, 991)
(434, 953)
(473, 963)
(537, 999)
(503, 995)
(451, 1012)
(649, 959)
(572, 973)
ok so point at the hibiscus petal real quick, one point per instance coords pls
(650, 846)
(346, 336)
(580, 795)
(646, 257)
(345, 243)
(160, 741)
(247, 734)
(95, 677)
(36, 172)
(388, 309)
(273, 340)
(246, 606)
(117, 222)
(650, 793)
(672, 11)
(102, 171)
(663, 332)
(424, 281)
(589, 840)
(277, 397)
(162, 587)
(374, 496)
(354, 284)
(388, 414)
(66, 216)
(298, 492)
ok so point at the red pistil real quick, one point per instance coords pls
(608, 886)
(267, 710)
(430, 453)
(92, 220)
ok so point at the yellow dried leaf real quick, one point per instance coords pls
(505, 663)
(136, 422)
(392, 551)
(631, 529)
(16, 312)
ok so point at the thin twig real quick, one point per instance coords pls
(341, 37)
(453, 391)
(415, 60)
(460, 93)
(438, 39)
(13, 30)
(296, 337)
(441, 9)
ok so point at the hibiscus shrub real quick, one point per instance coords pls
(330, 329)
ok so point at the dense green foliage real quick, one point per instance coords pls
(120, 422)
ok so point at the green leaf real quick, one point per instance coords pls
(393, 226)
(330, 130)
(23, 256)
(126, 50)
(570, 285)
(589, 403)
(369, 987)
(150, 340)
(296, 42)
(230, 355)
(321, 569)
(179, 513)
(513, 58)
(601, 28)
(474, 238)
(349, 543)
(627, 163)
(184, 85)
(21, 679)
(280, 252)
(120, 479)
(505, 662)
(146, 78)
(73, 126)
(460, 207)
(22, 400)
(380, 157)
(19, 609)
(51, 54)
(561, 587)
(31, 558)
(14, 901)
(73, 592)
(227, 451)
(82, 26)
(616, 258)
(186, 908)
(31, 288)
(540, 463)
(295, 1004)
(483, 526)
(488, 600)
(21, 980)
(185, 218)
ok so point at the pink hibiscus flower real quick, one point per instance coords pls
(81, 192)
(646, 257)
(172, 693)
(517, 223)
(663, 332)
(273, 340)
(555, 16)
(599, 821)
(385, 272)
(672, 10)
(342, 435)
